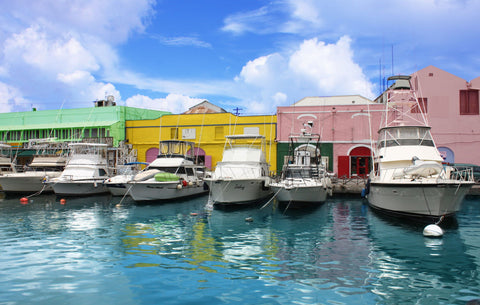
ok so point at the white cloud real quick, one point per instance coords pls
(174, 103)
(56, 51)
(330, 68)
(110, 20)
(311, 68)
(11, 99)
(46, 68)
(434, 32)
(32, 47)
(254, 20)
(183, 41)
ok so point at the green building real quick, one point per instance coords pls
(104, 123)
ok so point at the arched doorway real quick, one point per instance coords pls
(360, 161)
(447, 154)
(202, 158)
(307, 154)
(151, 154)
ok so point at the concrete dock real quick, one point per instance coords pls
(350, 186)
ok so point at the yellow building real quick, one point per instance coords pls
(206, 130)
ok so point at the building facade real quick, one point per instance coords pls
(206, 130)
(452, 108)
(99, 124)
(347, 123)
(344, 125)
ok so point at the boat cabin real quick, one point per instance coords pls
(404, 135)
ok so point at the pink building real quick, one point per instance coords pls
(343, 123)
(451, 105)
(452, 108)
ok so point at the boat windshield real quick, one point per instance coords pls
(405, 135)
(299, 173)
(171, 149)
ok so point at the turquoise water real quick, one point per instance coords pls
(93, 251)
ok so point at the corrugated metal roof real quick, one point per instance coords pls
(58, 125)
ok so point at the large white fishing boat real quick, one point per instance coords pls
(408, 175)
(243, 174)
(173, 174)
(48, 163)
(85, 171)
(304, 178)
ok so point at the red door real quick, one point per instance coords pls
(343, 167)
(360, 166)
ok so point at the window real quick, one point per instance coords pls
(174, 133)
(469, 102)
(422, 102)
(251, 130)
(219, 133)
(189, 134)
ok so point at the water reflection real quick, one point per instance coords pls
(410, 267)
(325, 248)
(338, 252)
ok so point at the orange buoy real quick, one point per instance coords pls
(193, 214)
(63, 201)
(24, 200)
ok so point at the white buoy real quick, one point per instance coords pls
(432, 231)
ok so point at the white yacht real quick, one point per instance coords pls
(173, 174)
(48, 162)
(408, 175)
(118, 184)
(243, 174)
(85, 171)
(304, 178)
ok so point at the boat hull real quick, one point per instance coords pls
(238, 191)
(418, 199)
(300, 193)
(150, 191)
(83, 188)
(27, 182)
(117, 189)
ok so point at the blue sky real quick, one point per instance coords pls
(251, 54)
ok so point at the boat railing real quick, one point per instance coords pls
(462, 174)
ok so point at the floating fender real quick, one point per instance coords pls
(432, 231)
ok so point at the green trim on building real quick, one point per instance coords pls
(326, 150)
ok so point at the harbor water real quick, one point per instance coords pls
(94, 250)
